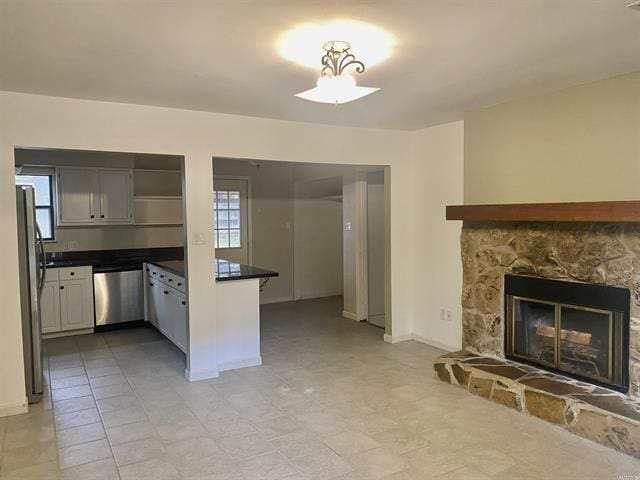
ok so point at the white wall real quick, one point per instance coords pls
(436, 271)
(41, 121)
(317, 232)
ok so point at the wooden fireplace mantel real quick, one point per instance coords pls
(624, 211)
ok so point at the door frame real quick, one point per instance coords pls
(249, 209)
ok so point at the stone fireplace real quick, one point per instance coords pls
(551, 315)
(589, 254)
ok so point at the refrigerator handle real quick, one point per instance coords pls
(43, 260)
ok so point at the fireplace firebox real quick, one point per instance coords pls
(579, 330)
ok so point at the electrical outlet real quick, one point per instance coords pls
(448, 315)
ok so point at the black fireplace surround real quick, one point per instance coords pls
(593, 324)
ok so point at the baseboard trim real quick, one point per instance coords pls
(200, 375)
(14, 409)
(68, 333)
(434, 343)
(396, 338)
(318, 295)
(275, 300)
(421, 339)
(350, 315)
(236, 364)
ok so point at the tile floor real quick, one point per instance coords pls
(332, 401)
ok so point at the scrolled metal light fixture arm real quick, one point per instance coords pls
(338, 58)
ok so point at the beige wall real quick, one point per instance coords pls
(578, 144)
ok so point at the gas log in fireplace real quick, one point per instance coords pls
(580, 330)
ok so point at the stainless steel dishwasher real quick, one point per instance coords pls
(118, 294)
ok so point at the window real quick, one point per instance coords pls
(226, 219)
(43, 185)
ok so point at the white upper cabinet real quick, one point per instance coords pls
(77, 196)
(94, 196)
(115, 196)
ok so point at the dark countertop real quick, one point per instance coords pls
(113, 259)
(225, 270)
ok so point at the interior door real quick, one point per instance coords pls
(231, 219)
(115, 196)
(375, 248)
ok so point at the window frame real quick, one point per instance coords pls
(216, 229)
(52, 208)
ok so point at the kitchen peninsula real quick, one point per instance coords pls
(237, 308)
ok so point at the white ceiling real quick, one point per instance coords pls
(220, 56)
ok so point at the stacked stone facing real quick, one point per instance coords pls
(609, 418)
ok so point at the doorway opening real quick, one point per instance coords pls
(323, 227)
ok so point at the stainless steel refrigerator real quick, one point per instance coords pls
(32, 268)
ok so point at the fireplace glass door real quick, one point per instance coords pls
(586, 342)
(581, 330)
(534, 325)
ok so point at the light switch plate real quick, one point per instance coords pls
(347, 226)
(198, 239)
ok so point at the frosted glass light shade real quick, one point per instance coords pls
(337, 90)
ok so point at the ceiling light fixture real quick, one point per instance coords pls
(335, 84)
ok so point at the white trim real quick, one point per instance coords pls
(200, 375)
(248, 362)
(350, 315)
(434, 343)
(67, 333)
(397, 338)
(14, 409)
(249, 232)
(268, 301)
(421, 339)
(310, 296)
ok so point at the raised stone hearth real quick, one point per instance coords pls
(599, 253)
(606, 417)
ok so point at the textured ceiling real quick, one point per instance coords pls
(220, 56)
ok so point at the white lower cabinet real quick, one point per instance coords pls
(166, 307)
(66, 302)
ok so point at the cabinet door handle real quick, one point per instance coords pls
(72, 273)
(161, 276)
(61, 287)
(179, 284)
(150, 284)
(171, 279)
(153, 273)
(183, 302)
(166, 293)
(101, 216)
(91, 216)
